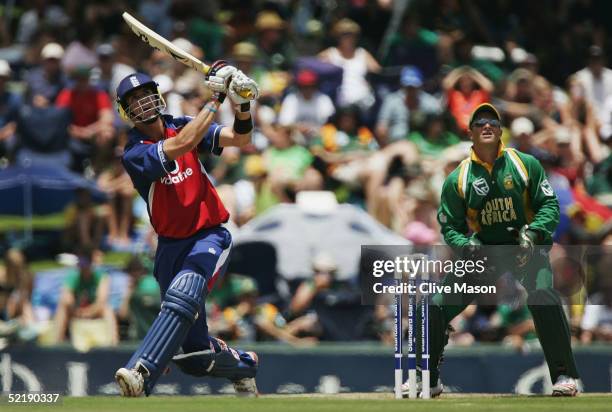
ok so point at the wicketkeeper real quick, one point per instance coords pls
(161, 157)
(500, 196)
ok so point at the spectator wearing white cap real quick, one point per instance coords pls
(405, 107)
(9, 106)
(522, 130)
(48, 79)
(525, 139)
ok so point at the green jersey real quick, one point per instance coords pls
(85, 290)
(488, 199)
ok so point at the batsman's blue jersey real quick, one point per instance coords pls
(181, 200)
(185, 211)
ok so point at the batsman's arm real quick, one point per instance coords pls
(193, 132)
(543, 200)
(452, 214)
(240, 134)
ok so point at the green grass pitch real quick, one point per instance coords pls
(335, 403)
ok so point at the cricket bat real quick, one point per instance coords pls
(160, 43)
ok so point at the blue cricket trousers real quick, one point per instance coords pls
(207, 253)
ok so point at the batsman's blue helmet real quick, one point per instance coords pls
(128, 85)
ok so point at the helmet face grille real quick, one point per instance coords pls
(146, 108)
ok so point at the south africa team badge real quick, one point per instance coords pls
(508, 182)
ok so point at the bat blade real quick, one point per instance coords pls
(160, 43)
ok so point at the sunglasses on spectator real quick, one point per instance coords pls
(483, 122)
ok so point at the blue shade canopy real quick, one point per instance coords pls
(41, 189)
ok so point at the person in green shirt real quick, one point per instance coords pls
(85, 295)
(288, 165)
(517, 324)
(435, 138)
(141, 301)
(484, 201)
(290, 161)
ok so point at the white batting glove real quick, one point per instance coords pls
(219, 80)
(242, 84)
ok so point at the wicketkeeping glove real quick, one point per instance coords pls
(475, 251)
(473, 248)
(241, 83)
(527, 240)
(219, 76)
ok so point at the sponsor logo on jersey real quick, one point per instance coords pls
(177, 177)
(547, 188)
(481, 187)
(498, 210)
(508, 182)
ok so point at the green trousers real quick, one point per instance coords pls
(543, 302)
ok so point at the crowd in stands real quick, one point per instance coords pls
(368, 99)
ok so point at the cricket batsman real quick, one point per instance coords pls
(161, 157)
(500, 196)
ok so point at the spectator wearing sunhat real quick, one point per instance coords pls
(307, 108)
(273, 47)
(9, 106)
(245, 58)
(244, 55)
(405, 108)
(355, 61)
(48, 79)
